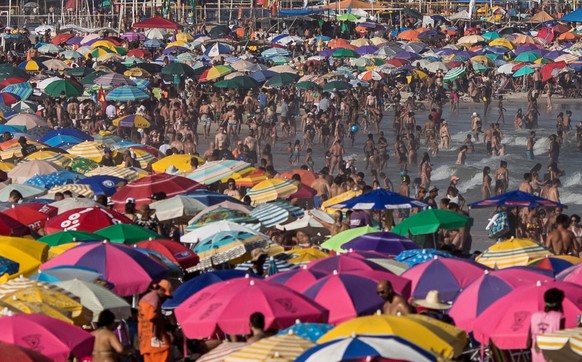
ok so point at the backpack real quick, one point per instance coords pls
(498, 226)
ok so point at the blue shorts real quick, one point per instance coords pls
(529, 154)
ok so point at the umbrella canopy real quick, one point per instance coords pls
(516, 199)
(364, 347)
(306, 255)
(238, 82)
(22, 354)
(383, 242)
(88, 219)
(227, 306)
(142, 190)
(488, 288)
(429, 221)
(216, 171)
(34, 215)
(564, 345)
(499, 325)
(181, 162)
(127, 93)
(342, 263)
(272, 214)
(179, 208)
(26, 170)
(336, 241)
(102, 185)
(67, 236)
(130, 271)
(283, 346)
(210, 230)
(56, 339)
(555, 263)
(55, 179)
(64, 87)
(12, 227)
(448, 276)
(428, 333)
(225, 246)
(309, 331)
(270, 190)
(28, 120)
(126, 233)
(27, 191)
(176, 252)
(512, 252)
(297, 279)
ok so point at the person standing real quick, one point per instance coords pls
(531, 141)
(154, 340)
(550, 320)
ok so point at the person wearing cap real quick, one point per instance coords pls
(154, 340)
(433, 192)
(476, 125)
(432, 306)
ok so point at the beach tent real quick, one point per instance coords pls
(461, 15)
(575, 16)
(540, 17)
(157, 23)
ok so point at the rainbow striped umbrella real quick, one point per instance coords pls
(215, 72)
(89, 149)
(512, 252)
(271, 189)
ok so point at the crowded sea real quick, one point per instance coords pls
(336, 182)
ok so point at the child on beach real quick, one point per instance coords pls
(295, 152)
(434, 147)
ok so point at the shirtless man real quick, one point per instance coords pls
(429, 130)
(502, 175)
(531, 141)
(107, 344)
(253, 144)
(321, 186)
(561, 240)
(553, 193)
(488, 138)
(221, 140)
(394, 303)
(338, 225)
(525, 185)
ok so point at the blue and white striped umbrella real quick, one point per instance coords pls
(273, 266)
(273, 52)
(218, 49)
(141, 83)
(127, 93)
(272, 214)
(23, 90)
(154, 43)
(367, 346)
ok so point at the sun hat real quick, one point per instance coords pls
(432, 301)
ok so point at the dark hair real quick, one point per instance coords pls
(553, 299)
(106, 318)
(16, 194)
(563, 220)
(258, 320)
(130, 207)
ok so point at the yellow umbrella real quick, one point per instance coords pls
(483, 60)
(181, 162)
(337, 199)
(184, 37)
(30, 247)
(109, 57)
(302, 256)
(286, 346)
(143, 157)
(251, 179)
(377, 41)
(428, 333)
(89, 149)
(502, 43)
(239, 174)
(22, 307)
(6, 166)
(512, 252)
(59, 249)
(124, 173)
(271, 189)
(83, 190)
(136, 72)
(105, 44)
(27, 265)
(133, 120)
(360, 42)
(55, 157)
(177, 43)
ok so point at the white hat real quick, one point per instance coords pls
(432, 301)
(475, 114)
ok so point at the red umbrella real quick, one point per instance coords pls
(13, 80)
(12, 227)
(143, 189)
(21, 354)
(227, 306)
(9, 98)
(548, 69)
(173, 250)
(61, 38)
(397, 62)
(85, 219)
(32, 214)
(140, 53)
(304, 192)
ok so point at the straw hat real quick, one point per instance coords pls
(432, 301)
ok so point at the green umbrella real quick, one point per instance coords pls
(525, 70)
(109, 139)
(10, 71)
(120, 50)
(127, 234)
(348, 17)
(481, 68)
(83, 165)
(25, 107)
(280, 59)
(335, 242)
(336, 85)
(63, 87)
(345, 53)
(528, 57)
(177, 69)
(490, 35)
(455, 73)
(239, 82)
(69, 236)
(429, 221)
(281, 80)
(307, 85)
(80, 72)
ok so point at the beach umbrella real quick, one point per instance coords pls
(336, 85)
(141, 190)
(215, 171)
(343, 263)
(8, 99)
(71, 54)
(27, 256)
(174, 251)
(455, 73)
(26, 170)
(470, 39)
(22, 354)
(50, 49)
(178, 208)
(309, 331)
(22, 90)
(217, 49)
(126, 93)
(81, 72)
(181, 162)
(298, 279)
(428, 333)
(130, 271)
(10, 71)
(225, 246)
(91, 150)
(512, 252)
(379, 199)
(283, 346)
(281, 80)
(88, 219)
(54, 179)
(215, 73)
(96, 298)
(524, 70)
(226, 210)
(126, 233)
(133, 120)
(56, 339)
(528, 57)
(488, 288)
(32, 65)
(235, 300)
(210, 230)
(76, 190)
(221, 352)
(113, 80)
(447, 275)
(429, 221)
(367, 347)
(67, 236)
(383, 242)
(154, 43)
(273, 266)
(555, 263)
(8, 266)
(24, 107)
(498, 323)
(30, 121)
(238, 82)
(27, 191)
(64, 87)
(71, 203)
(345, 53)
(32, 214)
(270, 190)
(335, 242)
(210, 198)
(516, 199)
(563, 345)
(102, 185)
(502, 42)
(275, 213)
(306, 255)
(55, 65)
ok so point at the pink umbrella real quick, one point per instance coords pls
(297, 279)
(48, 336)
(401, 285)
(506, 322)
(573, 274)
(88, 219)
(488, 288)
(227, 306)
(130, 271)
(447, 275)
(346, 296)
(342, 263)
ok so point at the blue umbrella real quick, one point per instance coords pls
(366, 49)
(127, 93)
(262, 75)
(273, 52)
(153, 44)
(174, 49)
(210, 198)
(73, 132)
(141, 83)
(273, 265)
(379, 199)
(516, 199)
(12, 129)
(217, 49)
(102, 184)
(272, 214)
(55, 179)
(174, 269)
(62, 141)
(23, 90)
(62, 273)
(309, 331)
(200, 282)
(417, 256)
(8, 266)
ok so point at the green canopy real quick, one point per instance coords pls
(348, 17)
(63, 87)
(429, 221)
(240, 82)
(345, 53)
(127, 234)
(307, 85)
(336, 241)
(80, 72)
(336, 85)
(281, 80)
(69, 236)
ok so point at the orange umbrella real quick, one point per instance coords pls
(409, 35)
(307, 177)
(568, 36)
(252, 179)
(340, 43)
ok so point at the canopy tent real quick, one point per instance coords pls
(349, 4)
(157, 22)
(575, 16)
(461, 15)
(540, 17)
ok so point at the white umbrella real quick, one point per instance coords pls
(55, 64)
(177, 207)
(156, 34)
(96, 298)
(73, 203)
(506, 69)
(435, 66)
(27, 191)
(212, 229)
(41, 30)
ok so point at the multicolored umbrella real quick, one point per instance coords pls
(222, 306)
(342, 263)
(127, 93)
(270, 190)
(55, 179)
(91, 150)
(85, 219)
(216, 171)
(225, 246)
(22, 90)
(120, 172)
(512, 252)
(282, 346)
(310, 331)
(130, 271)
(102, 185)
(133, 120)
(335, 242)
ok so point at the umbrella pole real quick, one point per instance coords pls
(434, 240)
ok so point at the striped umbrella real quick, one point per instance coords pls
(251, 179)
(215, 72)
(124, 173)
(224, 350)
(512, 252)
(283, 346)
(564, 345)
(60, 159)
(82, 190)
(126, 93)
(113, 80)
(273, 265)
(91, 150)
(272, 214)
(23, 90)
(270, 190)
(455, 73)
(216, 171)
(133, 120)
(225, 246)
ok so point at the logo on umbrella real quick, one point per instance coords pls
(211, 308)
(287, 304)
(201, 298)
(108, 183)
(519, 318)
(33, 341)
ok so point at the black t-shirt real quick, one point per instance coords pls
(27, 149)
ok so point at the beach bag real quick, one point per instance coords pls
(498, 226)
